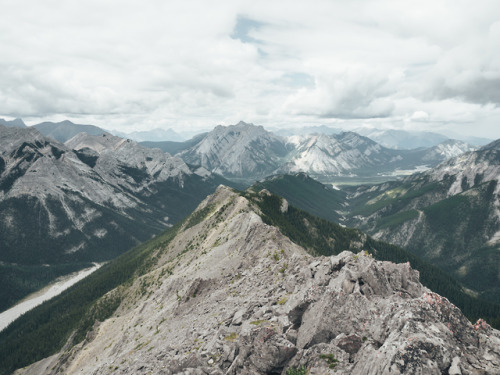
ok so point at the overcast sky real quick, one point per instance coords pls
(186, 65)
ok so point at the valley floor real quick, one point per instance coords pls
(43, 295)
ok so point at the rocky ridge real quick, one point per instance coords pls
(232, 295)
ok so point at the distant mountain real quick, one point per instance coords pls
(406, 140)
(402, 139)
(238, 151)
(446, 150)
(154, 135)
(174, 147)
(349, 154)
(16, 123)
(248, 284)
(342, 154)
(89, 200)
(476, 141)
(65, 130)
(448, 215)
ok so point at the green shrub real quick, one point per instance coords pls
(301, 370)
(330, 359)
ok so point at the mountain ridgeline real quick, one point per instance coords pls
(240, 286)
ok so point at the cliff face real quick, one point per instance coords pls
(232, 295)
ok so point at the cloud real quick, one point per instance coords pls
(195, 64)
(419, 116)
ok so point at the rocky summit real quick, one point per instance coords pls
(229, 294)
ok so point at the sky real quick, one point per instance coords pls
(192, 64)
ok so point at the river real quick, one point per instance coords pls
(37, 298)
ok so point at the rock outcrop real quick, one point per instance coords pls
(232, 295)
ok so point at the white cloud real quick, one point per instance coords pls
(419, 116)
(193, 64)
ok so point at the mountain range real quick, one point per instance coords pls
(245, 152)
(97, 195)
(391, 138)
(248, 283)
(88, 200)
(402, 139)
(153, 135)
(248, 152)
(234, 289)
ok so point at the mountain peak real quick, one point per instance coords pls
(65, 123)
(240, 150)
(249, 127)
(243, 123)
(16, 123)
